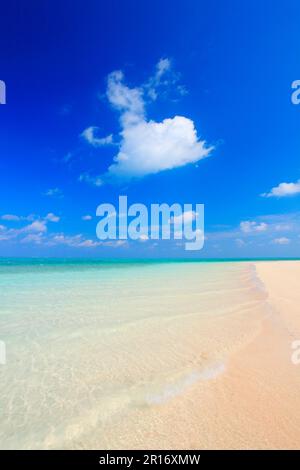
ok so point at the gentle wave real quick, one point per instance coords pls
(174, 390)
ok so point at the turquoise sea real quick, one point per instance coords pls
(96, 350)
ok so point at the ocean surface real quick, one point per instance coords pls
(95, 350)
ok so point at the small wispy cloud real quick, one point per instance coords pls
(36, 233)
(52, 217)
(65, 110)
(31, 217)
(240, 242)
(36, 238)
(187, 216)
(86, 217)
(68, 157)
(39, 226)
(249, 226)
(89, 135)
(33, 232)
(281, 241)
(163, 80)
(75, 241)
(284, 190)
(79, 241)
(10, 217)
(53, 192)
(16, 218)
(90, 179)
(143, 238)
(279, 229)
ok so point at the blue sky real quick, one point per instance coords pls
(195, 94)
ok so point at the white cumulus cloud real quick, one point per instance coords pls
(284, 189)
(150, 147)
(146, 146)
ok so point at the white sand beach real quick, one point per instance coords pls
(253, 402)
(147, 356)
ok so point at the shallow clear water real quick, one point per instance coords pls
(88, 343)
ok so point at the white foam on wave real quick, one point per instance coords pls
(172, 391)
